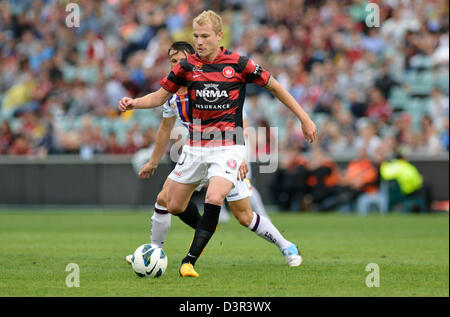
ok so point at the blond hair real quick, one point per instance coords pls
(209, 17)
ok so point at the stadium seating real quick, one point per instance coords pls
(420, 82)
(441, 81)
(98, 48)
(417, 108)
(398, 98)
(408, 203)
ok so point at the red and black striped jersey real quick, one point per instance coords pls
(216, 93)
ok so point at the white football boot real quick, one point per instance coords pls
(129, 259)
(292, 255)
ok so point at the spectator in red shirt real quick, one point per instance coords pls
(6, 137)
(20, 146)
(112, 145)
(130, 146)
(379, 108)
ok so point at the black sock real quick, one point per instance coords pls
(190, 216)
(203, 233)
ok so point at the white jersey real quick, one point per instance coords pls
(178, 105)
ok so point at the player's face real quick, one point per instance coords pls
(175, 57)
(206, 41)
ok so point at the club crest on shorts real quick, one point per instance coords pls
(232, 164)
(228, 72)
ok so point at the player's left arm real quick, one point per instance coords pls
(308, 126)
(243, 170)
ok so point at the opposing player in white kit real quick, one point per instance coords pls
(175, 111)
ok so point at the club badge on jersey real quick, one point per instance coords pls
(228, 72)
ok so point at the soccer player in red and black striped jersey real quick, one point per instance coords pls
(215, 79)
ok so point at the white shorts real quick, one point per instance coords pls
(243, 189)
(198, 163)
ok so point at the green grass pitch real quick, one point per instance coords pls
(411, 251)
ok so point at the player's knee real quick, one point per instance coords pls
(214, 199)
(161, 199)
(174, 209)
(245, 217)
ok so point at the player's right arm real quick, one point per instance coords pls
(162, 141)
(152, 100)
(169, 86)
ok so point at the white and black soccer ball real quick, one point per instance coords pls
(149, 260)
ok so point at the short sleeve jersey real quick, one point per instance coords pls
(216, 92)
(178, 105)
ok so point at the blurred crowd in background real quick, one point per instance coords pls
(384, 89)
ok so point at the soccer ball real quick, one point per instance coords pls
(149, 260)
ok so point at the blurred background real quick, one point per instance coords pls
(379, 96)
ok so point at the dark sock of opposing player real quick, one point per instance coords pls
(203, 233)
(191, 215)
